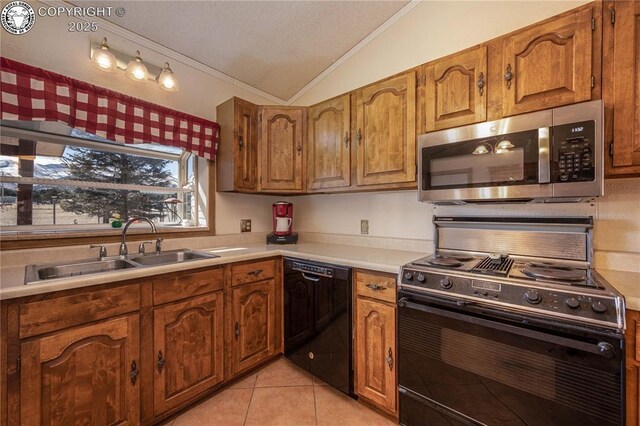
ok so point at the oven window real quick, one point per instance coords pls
(504, 160)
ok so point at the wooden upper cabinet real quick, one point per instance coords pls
(254, 324)
(376, 353)
(455, 91)
(188, 344)
(282, 149)
(385, 131)
(237, 161)
(86, 375)
(328, 144)
(548, 64)
(621, 86)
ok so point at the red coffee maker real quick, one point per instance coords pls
(282, 224)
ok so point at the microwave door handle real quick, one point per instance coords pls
(544, 155)
(602, 348)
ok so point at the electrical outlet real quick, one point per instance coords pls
(364, 226)
(245, 225)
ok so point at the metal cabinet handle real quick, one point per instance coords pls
(236, 330)
(161, 361)
(481, 83)
(346, 139)
(508, 76)
(255, 272)
(240, 142)
(376, 287)
(390, 359)
(134, 372)
(299, 148)
(359, 137)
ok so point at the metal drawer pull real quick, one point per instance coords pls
(236, 330)
(134, 372)
(346, 139)
(359, 137)
(481, 83)
(508, 76)
(161, 361)
(390, 359)
(255, 272)
(376, 287)
(240, 142)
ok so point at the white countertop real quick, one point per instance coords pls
(383, 260)
(627, 283)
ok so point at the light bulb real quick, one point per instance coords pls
(167, 79)
(136, 69)
(480, 149)
(103, 58)
(505, 145)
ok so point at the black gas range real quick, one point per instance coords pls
(507, 323)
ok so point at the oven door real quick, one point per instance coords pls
(459, 368)
(505, 159)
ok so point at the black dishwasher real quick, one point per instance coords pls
(317, 320)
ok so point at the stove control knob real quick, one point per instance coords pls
(408, 276)
(572, 302)
(446, 283)
(421, 277)
(598, 307)
(532, 297)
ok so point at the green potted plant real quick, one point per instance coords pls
(116, 220)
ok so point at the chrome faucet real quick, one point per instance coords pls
(123, 246)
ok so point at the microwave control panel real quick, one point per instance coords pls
(573, 157)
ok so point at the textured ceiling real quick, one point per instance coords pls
(275, 46)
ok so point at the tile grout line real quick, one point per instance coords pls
(253, 389)
(315, 406)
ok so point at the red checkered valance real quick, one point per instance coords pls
(34, 94)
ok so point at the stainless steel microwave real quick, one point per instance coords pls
(554, 155)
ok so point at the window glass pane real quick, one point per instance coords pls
(64, 205)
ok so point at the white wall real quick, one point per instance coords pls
(431, 30)
(51, 46)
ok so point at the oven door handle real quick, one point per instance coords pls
(604, 349)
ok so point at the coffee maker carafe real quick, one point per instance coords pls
(282, 224)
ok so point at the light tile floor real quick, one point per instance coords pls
(281, 394)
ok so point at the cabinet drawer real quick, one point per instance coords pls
(49, 315)
(255, 271)
(184, 286)
(376, 285)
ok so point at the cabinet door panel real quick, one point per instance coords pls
(375, 357)
(246, 153)
(328, 148)
(282, 149)
(254, 324)
(188, 344)
(621, 86)
(82, 376)
(549, 65)
(386, 131)
(453, 97)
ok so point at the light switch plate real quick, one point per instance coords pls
(364, 226)
(245, 225)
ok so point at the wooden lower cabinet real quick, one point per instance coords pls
(188, 350)
(375, 362)
(253, 324)
(86, 375)
(632, 336)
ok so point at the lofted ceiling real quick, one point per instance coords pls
(275, 46)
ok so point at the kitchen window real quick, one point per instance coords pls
(61, 180)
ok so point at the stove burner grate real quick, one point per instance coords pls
(489, 266)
